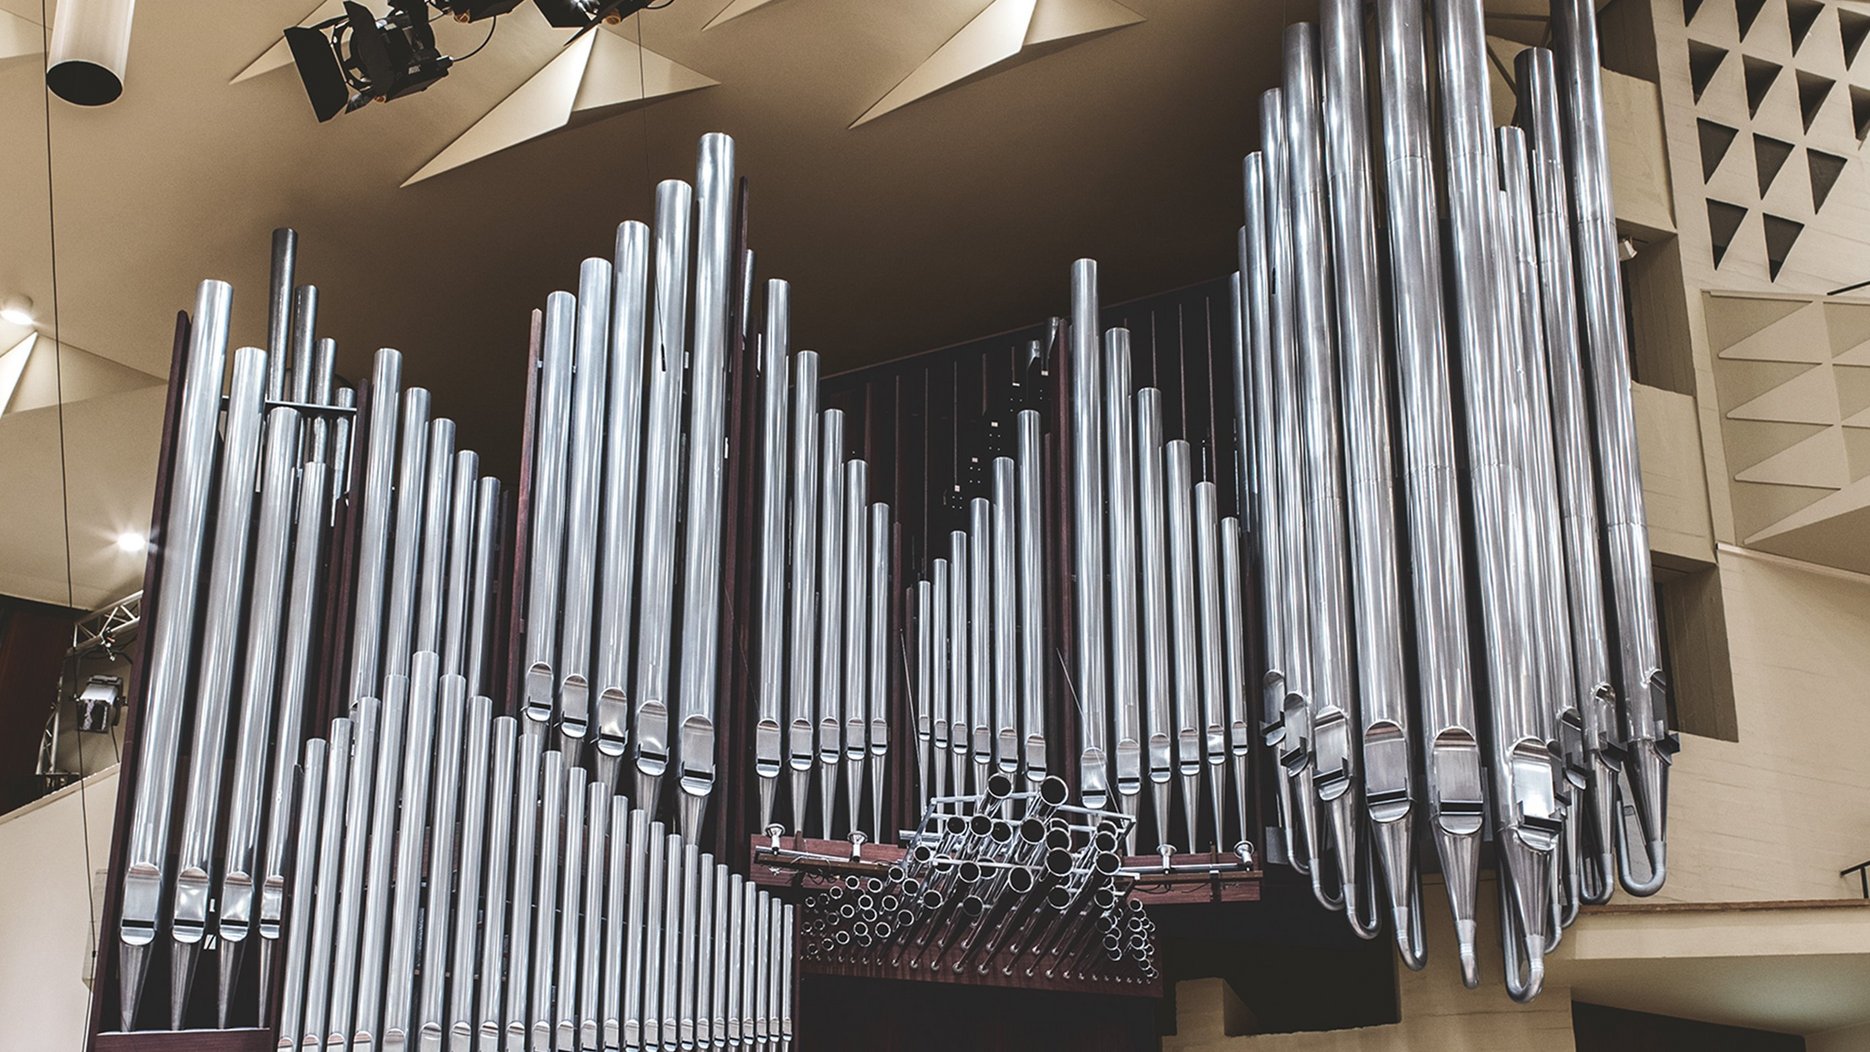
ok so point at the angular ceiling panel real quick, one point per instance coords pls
(19, 37)
(733, 10)
(598, 74)
(1007, 31)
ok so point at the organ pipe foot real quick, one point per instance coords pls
(227, 963)
(769, 790)
(693, 806)
(182, 956)
(133, 966)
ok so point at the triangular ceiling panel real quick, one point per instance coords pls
(1761, 75)
(1817, 461)
(1715, 138)
(1825, 169)
(1738, 383)
(1005, 32)
(1853, 30)
(1848, 325)
(1732, 319)
(12, 364)
(1781, 235)
(734, 10)
(1799, 335)
(1801, 15)
(1853, 386)
(279, 55)
(1703, 61)
(1769, 156)
(1809, 398)
(594, 77)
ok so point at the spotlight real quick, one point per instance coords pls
(583, 14)
(16, 310)
(360, 58)
(475, 10)
(99, 704)
(131, 542)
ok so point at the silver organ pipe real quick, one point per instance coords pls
(1647, 743)
(442, 873)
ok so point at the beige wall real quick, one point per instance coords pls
(46, 935)
(1776, 814)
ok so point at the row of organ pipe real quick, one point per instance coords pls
(1425, 553)
(1509, 568)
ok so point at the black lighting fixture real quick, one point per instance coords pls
(359, 58)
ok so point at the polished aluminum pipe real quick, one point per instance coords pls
(335, 1024)
(1524, 783)
(882, 592)
(1184, 629)
(622, 474)
(431, 594)
(1004, 726)
(1120, 462)
(1153, 553)
(1333, 698)
(583, 485)
(1584, 745)
(960, 683)
(514, 768)
(940, 674)
(406, 554)
(856, 630)
(1029, 526)
(1647, 742)
(1238, 706)
(1431, 494)
(1087, 532)
(980, 637)
(311, 831)
(707, 456)
(396, 997)
(546, 512)
(925, 676)
(265, 610)
(438, 902)
(1210, 645)
(661, 491)
(316, 939)
(831, 616)
(377, 503)
(802, 610)
(458, 588)
(214, 683)
(767, 747)
(486, 765)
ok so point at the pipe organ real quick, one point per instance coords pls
(1350, 572)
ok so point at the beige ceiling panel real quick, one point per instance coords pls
(279, 55)
(1818, 461)
(1794, 336)
(12, 364)
(1055, 20)
(1809, 398)
(1734, 318)
(994, 36)
(59, 372)
(592, 77)
(1849, 326)
(734, 10)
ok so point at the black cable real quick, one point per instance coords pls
(490, 28)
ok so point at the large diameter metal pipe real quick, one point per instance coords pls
(940, 652)
(335, 1031)
(431, 594)
(1032, 661)
(373, 546)
(1087, 503)
(662, 482)
(882, 593)
(802, 613)
(830, 616)
(214, 684)
(856, 633)
(481, 739)
(622, 474)
(1383, 699)
(1120, 462)
(1647, 741)
(1153, 554)
(1571, 411)
(502, 852)
(546, 512)
(265, 610)
(1211, 647)
(397, 1001)
(298, 950)
(980, 637)
(1431, 491)
(1184, 629)
(707, 458)
(1006, 612)
(316, 937)
(584, 484)
(406, 553)
(767, 747)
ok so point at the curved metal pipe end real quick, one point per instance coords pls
(1658, 863)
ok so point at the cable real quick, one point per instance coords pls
(490, 28)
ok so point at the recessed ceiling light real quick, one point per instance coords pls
(17, 310)
(131, 542)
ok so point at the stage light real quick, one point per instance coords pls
(359, 58)
(583, 14)
(131, 542)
